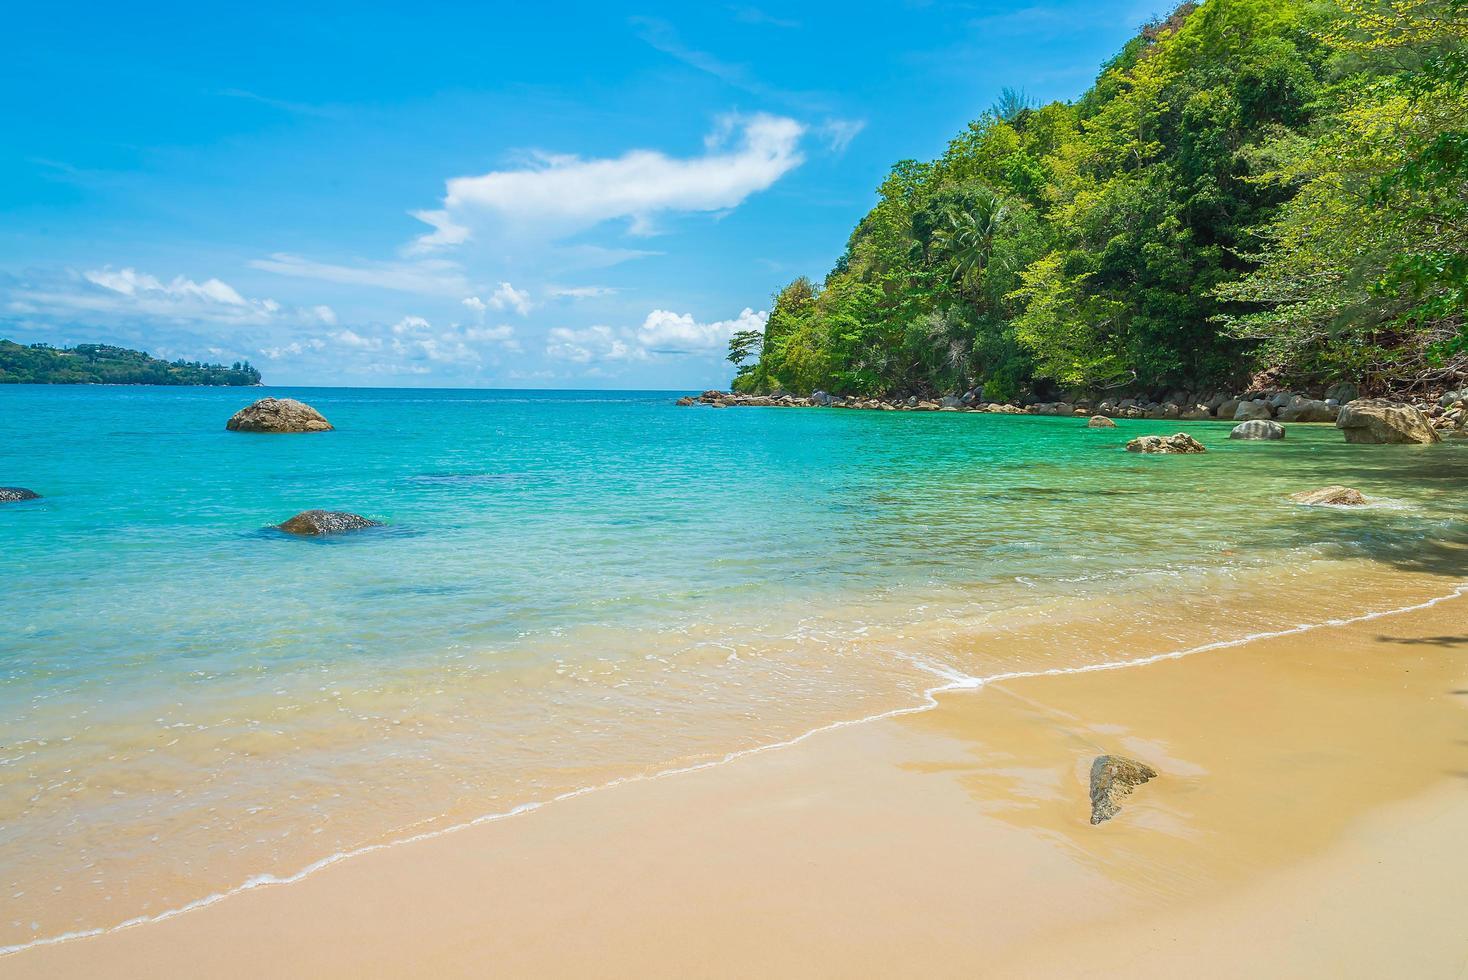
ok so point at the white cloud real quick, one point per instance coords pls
(350, 338)
(662, 333)
(416, 339)
(599, 343)
(129, 282)
(426, 276)
(403, 347)
(665, 332)
(112, 295)
(508, 297)
(446, 231)
(502, 334)
(754, 15)
(411, 324)
(474, 303)
(293, 349)
(561, 194)
(586, 256)
(838, 133)
(579, 292)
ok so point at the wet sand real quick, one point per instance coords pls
(1307, 821)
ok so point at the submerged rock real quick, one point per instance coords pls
(1334, 495)
(313, 522)
(1378, 421)
(1258, 429)
(9, 495)
(278, 415)
(1175, 444)
(1100, 422)
(1112, 779)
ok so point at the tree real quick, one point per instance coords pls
(744, 344)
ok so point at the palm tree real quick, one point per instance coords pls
(966, 232)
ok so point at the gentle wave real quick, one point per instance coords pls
(955, 681)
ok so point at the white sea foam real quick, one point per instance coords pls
(955, 680)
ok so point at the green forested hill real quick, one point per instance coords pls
(103, 364)
(1250, 186)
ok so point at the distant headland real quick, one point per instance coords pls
(43, 364)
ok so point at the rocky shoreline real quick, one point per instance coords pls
(1445, 411)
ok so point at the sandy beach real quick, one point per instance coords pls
(1306, 822)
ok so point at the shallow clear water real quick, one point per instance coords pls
(575, 587)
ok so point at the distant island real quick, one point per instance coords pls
(43, 364)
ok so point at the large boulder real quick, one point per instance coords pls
(1175, 444)
(1113, 777)
(1343, 392)
(1258, 429)
(1256, 409)
(1100, 422)
(1377, 421)
(1227, 408)
(278, 415)
(1335, 496)
(1307, 410)
(9, 495)
(316, 522)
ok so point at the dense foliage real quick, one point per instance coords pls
(103, 364)
(1250, 185)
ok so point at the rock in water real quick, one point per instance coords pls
(325, 522)
(1258, 429)
(1376, 420)
(1100, 422)
(1180, 443)
(278, 415)
(1336, 496)
(9, 495)
(1112, 779)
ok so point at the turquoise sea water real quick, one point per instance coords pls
(572, 587)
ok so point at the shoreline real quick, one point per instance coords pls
(935, 702)
(1323, 408)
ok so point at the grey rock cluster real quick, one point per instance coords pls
(1179, 444)
(278, 415)
(318, 522)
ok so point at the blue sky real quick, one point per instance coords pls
(505, 195)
